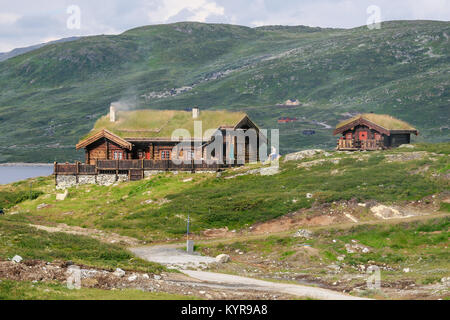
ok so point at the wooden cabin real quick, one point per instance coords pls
(373, 132)
(147, 135)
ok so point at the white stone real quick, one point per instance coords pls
(406, 270)
(119, 273)
(157, 277)
(223, 258)
(17, 259)
(309, 195)
(132, 278)
(62, 196)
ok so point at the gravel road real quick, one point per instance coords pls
(172, 256)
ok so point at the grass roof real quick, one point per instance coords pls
(383, 120)
(149, 124)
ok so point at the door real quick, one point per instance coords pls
(363, 135)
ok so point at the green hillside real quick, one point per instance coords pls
(52, 96)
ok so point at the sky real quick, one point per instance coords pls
(28, 22)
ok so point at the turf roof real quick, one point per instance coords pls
(149, 124)
(383, 120)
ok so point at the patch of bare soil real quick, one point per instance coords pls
(94, 233)
(40, 271)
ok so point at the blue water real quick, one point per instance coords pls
(16, 173)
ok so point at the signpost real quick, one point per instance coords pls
(189, 243)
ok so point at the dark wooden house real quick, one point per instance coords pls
(373, 132)
(148, 135)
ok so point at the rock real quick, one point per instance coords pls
(269, 171)
(409, 146)
(62, 196)
(303, 233)
(406, 270)
(309, 195)
(132, 278)
(147, 201)
(223, 258)
(119, 273)
(302, 155)
(341, 258)
(188, 180)
(157, 277)
(446, 281)
(385, 212)
(146, 276)
(17, 259)
(42, 206)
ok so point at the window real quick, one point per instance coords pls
(348, 136)
(165, 155)
(118, 155)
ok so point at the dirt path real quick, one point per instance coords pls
(171, 256)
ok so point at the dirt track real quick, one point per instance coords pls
(171, 256)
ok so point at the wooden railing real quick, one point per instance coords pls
(77, 168)
(353, 144)
(132, 165)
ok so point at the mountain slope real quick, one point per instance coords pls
(52, 96)
(18, 51)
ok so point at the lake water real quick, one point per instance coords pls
(14, 173)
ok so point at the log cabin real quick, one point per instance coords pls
(373, 132)
(148, 135)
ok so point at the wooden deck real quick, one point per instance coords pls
(133, 168)
(353, 145)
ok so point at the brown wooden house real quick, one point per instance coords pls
(373, 132)
(147, 135)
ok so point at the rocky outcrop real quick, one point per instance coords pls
(303, 155)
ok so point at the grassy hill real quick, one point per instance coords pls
(157, 208)
(52, 96)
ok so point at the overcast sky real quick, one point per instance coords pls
(28, 22)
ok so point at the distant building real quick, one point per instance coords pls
(292, 102)
(373, 132)
(287, 119)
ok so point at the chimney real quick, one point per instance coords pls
(195, 112)
(112, 113)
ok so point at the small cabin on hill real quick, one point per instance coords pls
(148, 135)
(373, 132)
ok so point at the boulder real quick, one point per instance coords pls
(223, 258)
(302, 155)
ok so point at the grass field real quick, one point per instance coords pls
(20, 239)
(23, 290)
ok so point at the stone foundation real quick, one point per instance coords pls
(66, 181)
